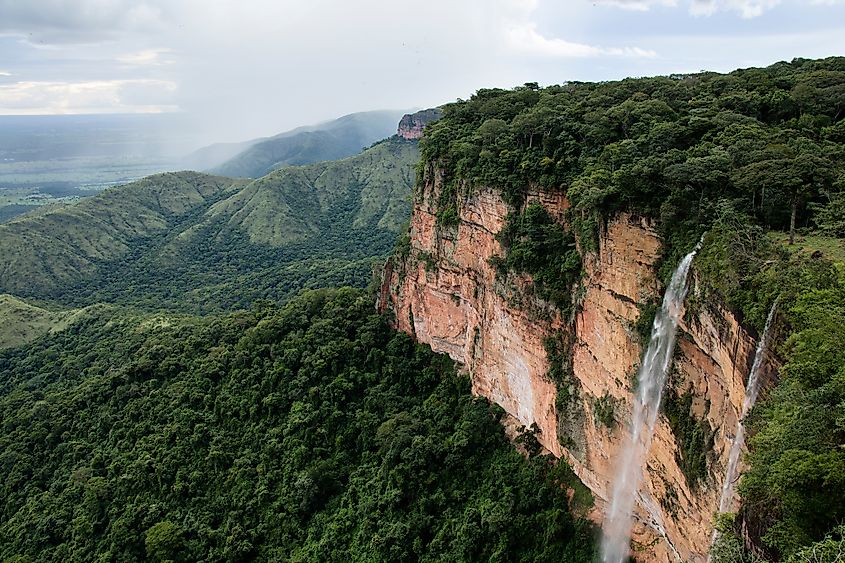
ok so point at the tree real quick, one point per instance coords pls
(164, 542)
(830, 218)
(792, 179)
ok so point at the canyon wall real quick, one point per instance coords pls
(445, 292)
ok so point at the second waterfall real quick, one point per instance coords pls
(650, 381)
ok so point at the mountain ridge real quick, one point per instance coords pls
(329, 140)
(201, 242)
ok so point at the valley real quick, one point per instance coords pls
(520, 328)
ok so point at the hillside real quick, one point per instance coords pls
(332, 140)
(294, 203)
(210, 156)
(299, 433)
(648, 254)
(21, 322)
(189, 241)
(41, 253)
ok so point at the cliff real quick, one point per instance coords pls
(412, 124)
(446, 293)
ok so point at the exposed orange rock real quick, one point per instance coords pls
(447, 294)
(411, 125)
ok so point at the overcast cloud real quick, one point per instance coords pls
(242, 68)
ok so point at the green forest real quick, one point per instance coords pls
(769, 142)
(195, 243)
(309, 432)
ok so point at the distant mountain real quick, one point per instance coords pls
(332, 140)
(216, 154)
(198, 243)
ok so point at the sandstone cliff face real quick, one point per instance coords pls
(412, 124)
(446, 294)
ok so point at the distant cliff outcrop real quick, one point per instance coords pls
(411, 126)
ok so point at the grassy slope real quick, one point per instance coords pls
(831, 248)
(21, 323)
(292, 203)
(194, 242)
(10, 211)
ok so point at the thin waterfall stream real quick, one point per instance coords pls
(650, 381)
(752, 392)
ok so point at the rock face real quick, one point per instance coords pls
(445, 292)
(412, 124)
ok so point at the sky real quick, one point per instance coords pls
(237, 69)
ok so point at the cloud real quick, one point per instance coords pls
(4, 73)
(146, 57)
(97, 96)
(638, 5)
(526, 39)
(746, 8)
(78, 21)
(243, 69)
(522, 36)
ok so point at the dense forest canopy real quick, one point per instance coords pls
(311, 432)
(770, 141)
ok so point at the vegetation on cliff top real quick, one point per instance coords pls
(312, 432)
(769, 141)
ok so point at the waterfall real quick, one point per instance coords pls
(752, 391)
(650, 380)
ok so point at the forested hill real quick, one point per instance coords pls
(332, 140)
(43, 251)
(307, 433)
(193, 242)
(310, 431)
